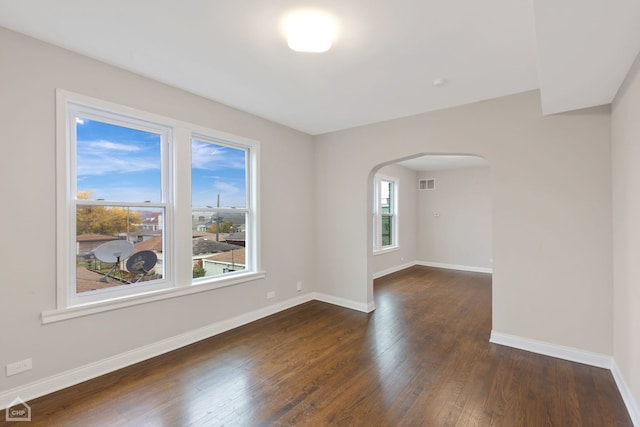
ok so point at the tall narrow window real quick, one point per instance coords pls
(385, 213)
(220, 208)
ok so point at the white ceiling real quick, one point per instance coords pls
(382, 65)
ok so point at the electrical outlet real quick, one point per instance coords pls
(271, 294)
(21, 366)
(299, 286)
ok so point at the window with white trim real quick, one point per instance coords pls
(385, 210)
(126, 228)
(220, 207)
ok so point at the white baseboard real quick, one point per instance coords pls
(371, 306)
(393, 270)
(343, 302)
(75, 376)
(382, 273)
(553, 350)
(454, 266)
(575, 355)
(628, 398)
(547, 349)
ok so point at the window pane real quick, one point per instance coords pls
(108, 234)
(117, 163)
(218, 175)
(386, 192)
(386, 230)
(218, 245)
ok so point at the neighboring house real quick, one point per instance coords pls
(145, 235)
(149, 244)
(205, 246)
(225, 262)
(236, 239)
(85, 243)
(226, 257)
(152, 222)
(234, 256)
(199, 234)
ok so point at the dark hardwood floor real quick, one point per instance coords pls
(421, 359)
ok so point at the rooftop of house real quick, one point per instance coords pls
(152, 244)
(94, 238)
(205, 246)
(237, 256)
(236, 236)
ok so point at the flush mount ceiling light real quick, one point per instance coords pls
(309, 31)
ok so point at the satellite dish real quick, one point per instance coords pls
(113, 251)
(142, 262)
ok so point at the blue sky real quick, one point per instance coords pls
(123, 164)
(216, 169)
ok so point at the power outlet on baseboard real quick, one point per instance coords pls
(299, 286)
(271, 294)
(21, 366)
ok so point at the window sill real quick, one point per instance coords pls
(386, 250)
(128, 301)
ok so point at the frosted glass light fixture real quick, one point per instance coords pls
(309, 31)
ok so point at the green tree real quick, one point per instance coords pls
(225, 227)
(105, 220)
(198, 269)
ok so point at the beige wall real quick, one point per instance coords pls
(625, 126)
(454, 219)
(407, 191)
(30, 71)
(550, 188)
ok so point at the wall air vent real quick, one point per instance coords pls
(427, 184)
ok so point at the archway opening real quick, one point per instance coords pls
(432, 210)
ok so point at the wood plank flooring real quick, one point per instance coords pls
(421, 359)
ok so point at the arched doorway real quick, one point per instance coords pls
(443, 216)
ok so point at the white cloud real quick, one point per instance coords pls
(203, 155)
(209, 156)
(226, 188)
(230, 195)
(102, 157)
(107, 164)
(108, 145)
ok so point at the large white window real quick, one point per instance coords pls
(127, 231)
(385, 210)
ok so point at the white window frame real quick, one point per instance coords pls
(378, 248)
(250, 185)
(176, 200)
